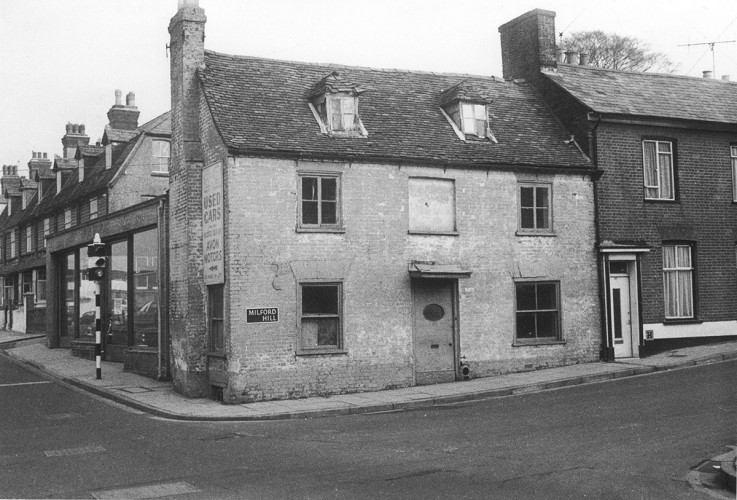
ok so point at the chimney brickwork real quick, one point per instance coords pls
(74, 137)
(528, 45)
(187, 294)
(124, 117)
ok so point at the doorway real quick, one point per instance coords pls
(434, 314)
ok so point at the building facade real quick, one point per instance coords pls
(666, 148)
(337, 229)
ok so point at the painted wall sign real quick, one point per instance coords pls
(262, 315)
(212, 224)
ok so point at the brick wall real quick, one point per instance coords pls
(528, 43)
(263, 249)
(703, 213)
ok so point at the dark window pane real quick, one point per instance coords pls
(525, 325)
(528, 218)
(216, 301)
(546, 298)
(547, 325)
(309, 212)
(542, 197)
(309, 188)
(319, 299)
(526, 197)
(329, 189)
(525, 297)
(328, 212)
(542, 218)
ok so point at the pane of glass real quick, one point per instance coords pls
(525, 325)
(542, 218)
(87, 316)
(683, 256)
(146, 294)
(686, 294)
(617, 309)
(541, 195)
(547, 325)
(319, 332)
(669, 257)
(666, 177)
(618, 267)
(329, 212)
(480, 112)
(337, 120)
(664, 147)
(526, 195)
(469, 121)
(319, 299)
(117, 331)
(481, 128)
(671, 294)
(69, 287)
(216, 301)
(650, 168)
(528, 218)
(546, 296)
(348, 105)
(309, 188)
(309, 212)
(526, 296)
(329, 189)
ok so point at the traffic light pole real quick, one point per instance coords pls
(98, 333)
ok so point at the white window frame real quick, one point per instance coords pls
(301, 316)
(161, 159)
(658, 184)
(67, 218)
(325, 109)
(13, 249)
(536, 229)
(47, 230)
(37, 288)
(93, 208)
(29, 239)
(733, 157)
(680, 270)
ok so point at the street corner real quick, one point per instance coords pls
(715, 477)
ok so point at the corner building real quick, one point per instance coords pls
(337, 229)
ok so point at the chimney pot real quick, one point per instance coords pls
(583, 59)
(707, 74)
(46, 156)
(130, 99)
(725, 78)
(118, 97)
(81, 128)
(75, 128)
(69, 128)
(571, 56)
(560, 55)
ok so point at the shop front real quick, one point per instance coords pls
(131, 296)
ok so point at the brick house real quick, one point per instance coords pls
(666, 148)
(54, 214)
(339, 229)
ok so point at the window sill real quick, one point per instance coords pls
(544, 234)
(215, 354)
(433, 233)
(658, 200)
(536, 343)
(160, 173)
(321, 230)
(319, 352)
(684, 321)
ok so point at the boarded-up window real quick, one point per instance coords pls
(431, 205)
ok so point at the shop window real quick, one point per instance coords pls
(41, 285)
(68, 288)
(146, 289)
(319, 202)
(216, 315)
(432, 206)
(537, 310)
(320, 312)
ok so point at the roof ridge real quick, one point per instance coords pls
(643, 73)
(363, 68)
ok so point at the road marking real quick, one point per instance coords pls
(150, 491)
(74, 451)
(25, 383)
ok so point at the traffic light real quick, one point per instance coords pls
(96, 260)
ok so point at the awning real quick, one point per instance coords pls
(438, 271)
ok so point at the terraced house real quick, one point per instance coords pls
(115, 188)
(343, 229)
(666, 148)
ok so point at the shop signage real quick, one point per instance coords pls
(262, 315)
(212, 224)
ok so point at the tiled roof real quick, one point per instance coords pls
(90, 150)
(26, 183)
(649, 94)
(260, 106)
(117, 135)
(161, 125)
(64, 163)
(43, 171)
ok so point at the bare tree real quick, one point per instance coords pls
(612, 51)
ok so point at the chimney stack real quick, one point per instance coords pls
(73, 139)
(124, 117)
(528, 45)
(707, 74)
(725, 78)
(583, 59)
(571, 56)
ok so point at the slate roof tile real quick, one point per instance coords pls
(260, 105)
(649, 94)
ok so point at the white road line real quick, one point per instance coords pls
(150, 491)
(25, 383)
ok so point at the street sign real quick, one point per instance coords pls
(262, 315)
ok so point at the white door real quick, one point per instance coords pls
(433, 331)
(621, 316)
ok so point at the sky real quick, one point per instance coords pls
(61, 60)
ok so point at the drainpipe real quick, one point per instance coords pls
(160, 375)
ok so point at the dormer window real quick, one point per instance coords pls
(465, 106)
(334, 103)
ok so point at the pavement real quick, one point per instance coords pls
(158, 398)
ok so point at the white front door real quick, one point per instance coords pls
(433, 331)
(621, 316)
